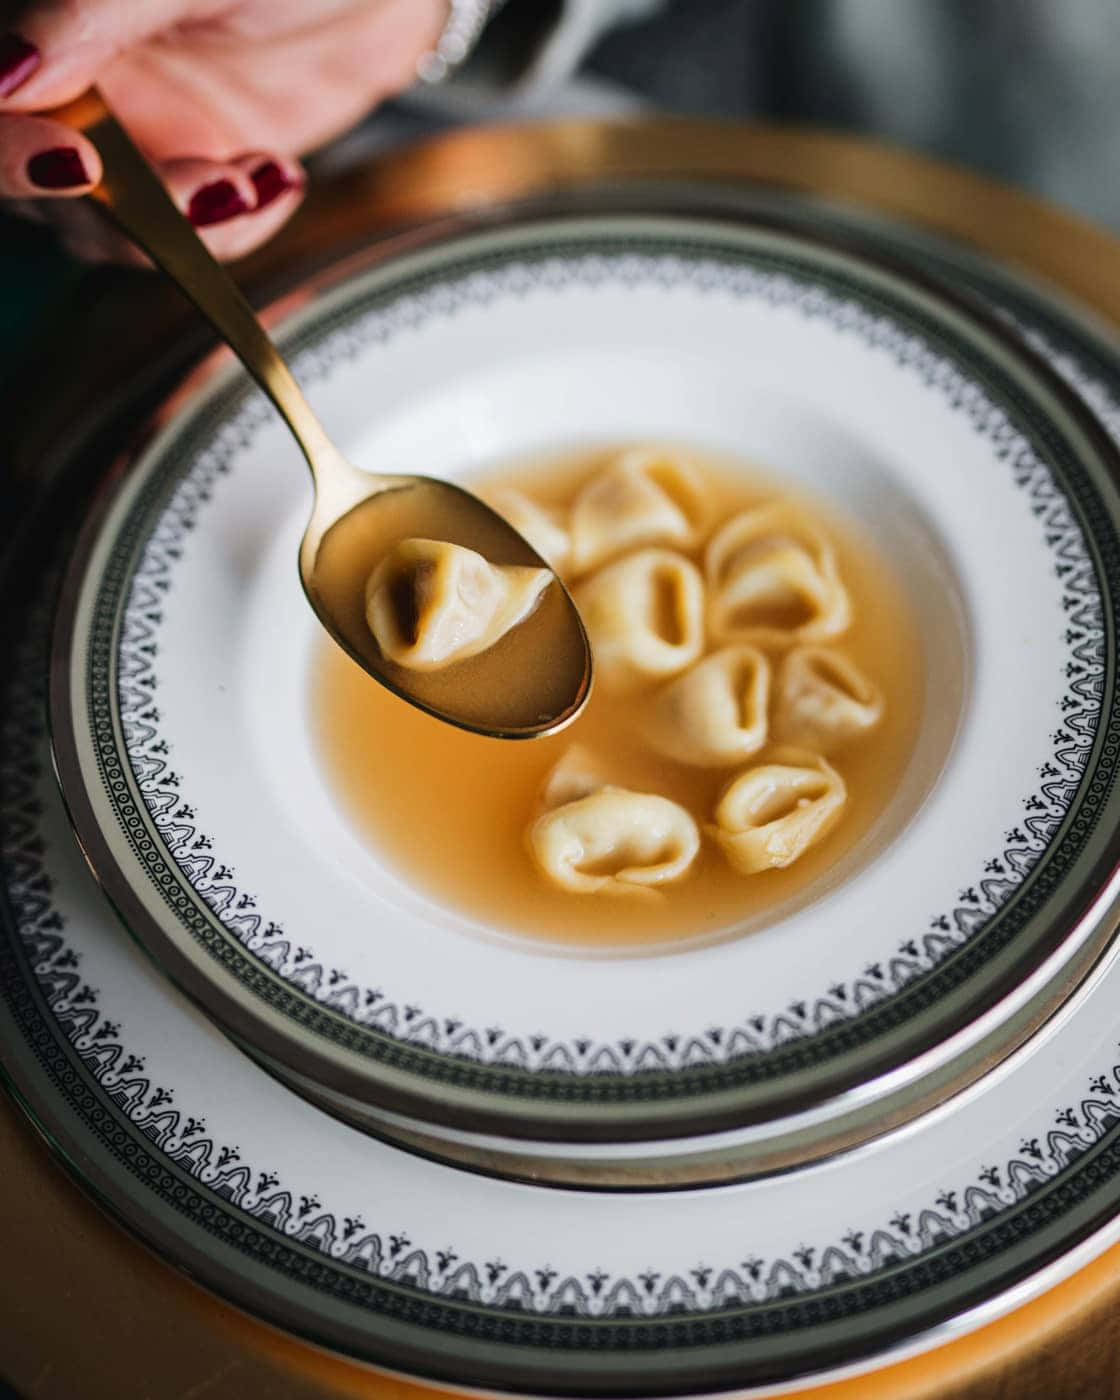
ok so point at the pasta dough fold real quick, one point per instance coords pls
(772, 580)
(613, 841)
(576, 773)
(716, 713)
(824, 699)
(430, 603)
(770, 815)
(644, 615)
(643, 497)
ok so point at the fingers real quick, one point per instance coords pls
(235, 206)
(274, 177)
(61, 45)
(41, 158)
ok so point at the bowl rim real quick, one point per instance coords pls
(1086, 932)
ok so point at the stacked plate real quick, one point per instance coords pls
(874, 1121)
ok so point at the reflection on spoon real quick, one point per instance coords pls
(537, 676)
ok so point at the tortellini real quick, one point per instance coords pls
(716, 713)
(540, 526)
(644, 615)
(772, 580)
(644, 497)
(430, 603)
(824, 699)
(578, 773)
(731, 665)
(771, 814)
(613, 841)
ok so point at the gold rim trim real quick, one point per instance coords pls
(479, 168)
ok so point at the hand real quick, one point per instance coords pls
(221, 95)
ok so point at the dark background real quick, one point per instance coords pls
(1027, 90)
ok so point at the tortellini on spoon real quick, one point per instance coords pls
(824, 699)
(771, 814)
(644, 497)
(716, 713)
(610, 840)
(772, 580)
(644, 615)
(430, 603)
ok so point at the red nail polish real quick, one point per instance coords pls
(214, 203)
(60, 168)
(18, 60)
(270, 181)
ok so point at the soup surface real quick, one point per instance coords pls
(451, 811)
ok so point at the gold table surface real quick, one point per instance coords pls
(88, 1313)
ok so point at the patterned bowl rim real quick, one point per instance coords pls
(405, 1084)
(193, 1229)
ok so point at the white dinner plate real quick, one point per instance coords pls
(189, 758)
(477, 1281)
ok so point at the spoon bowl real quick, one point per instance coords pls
(536, 677)
(532, 681)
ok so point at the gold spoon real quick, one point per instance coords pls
(537, 677)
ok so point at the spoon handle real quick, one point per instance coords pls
(136, 200)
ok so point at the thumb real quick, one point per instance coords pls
(61, 46)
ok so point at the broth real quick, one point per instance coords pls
(542, 661)
(450, 810)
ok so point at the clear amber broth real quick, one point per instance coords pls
(449, 810)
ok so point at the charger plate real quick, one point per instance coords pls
(187, 754)
(354, 1244)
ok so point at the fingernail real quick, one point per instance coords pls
(214, 203)
(60, 168)
(270, 181)
(18, 60)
